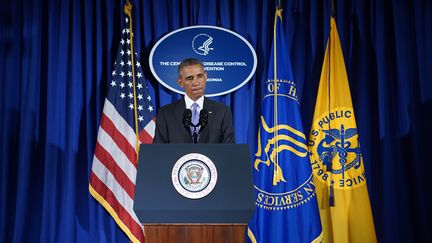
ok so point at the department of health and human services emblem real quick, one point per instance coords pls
(201, 44)
(283, 161)
(334, 149)
(194, 175)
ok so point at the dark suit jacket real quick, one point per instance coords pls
(170, 128)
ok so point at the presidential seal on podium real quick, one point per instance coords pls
(194, 175)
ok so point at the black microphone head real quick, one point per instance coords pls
(187, 117)
(203, 119)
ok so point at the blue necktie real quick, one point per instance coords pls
(195, 115)
(195, 119)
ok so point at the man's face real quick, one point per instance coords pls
(193, 80)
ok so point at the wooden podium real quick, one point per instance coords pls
(220, 216)
(195, 233)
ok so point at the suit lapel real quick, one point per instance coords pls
(204, 133)
(179, 110)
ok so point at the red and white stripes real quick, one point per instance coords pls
(112, 181)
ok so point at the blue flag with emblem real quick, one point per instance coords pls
(286, 205)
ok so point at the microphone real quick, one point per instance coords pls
(187, 122)
(203, 119)
(187, 118)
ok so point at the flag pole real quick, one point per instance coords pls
(333, 9)
(330, 163)
(128, 12)
(278, 13)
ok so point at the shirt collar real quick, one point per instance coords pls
(189, 102)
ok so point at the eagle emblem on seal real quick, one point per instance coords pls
(194, 174)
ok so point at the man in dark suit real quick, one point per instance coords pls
(170, 120)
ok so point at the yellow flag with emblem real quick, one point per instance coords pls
(336, 158)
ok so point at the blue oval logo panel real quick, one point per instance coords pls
(228, 58)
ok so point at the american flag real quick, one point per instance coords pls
(115, 163)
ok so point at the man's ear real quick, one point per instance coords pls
(180, 82)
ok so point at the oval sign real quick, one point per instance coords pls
(228, 58)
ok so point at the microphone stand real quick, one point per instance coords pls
(188, 123)
(194, 134)
(203, 119)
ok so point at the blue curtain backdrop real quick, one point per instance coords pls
(56, 59)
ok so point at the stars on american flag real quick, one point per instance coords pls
(122, 82)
